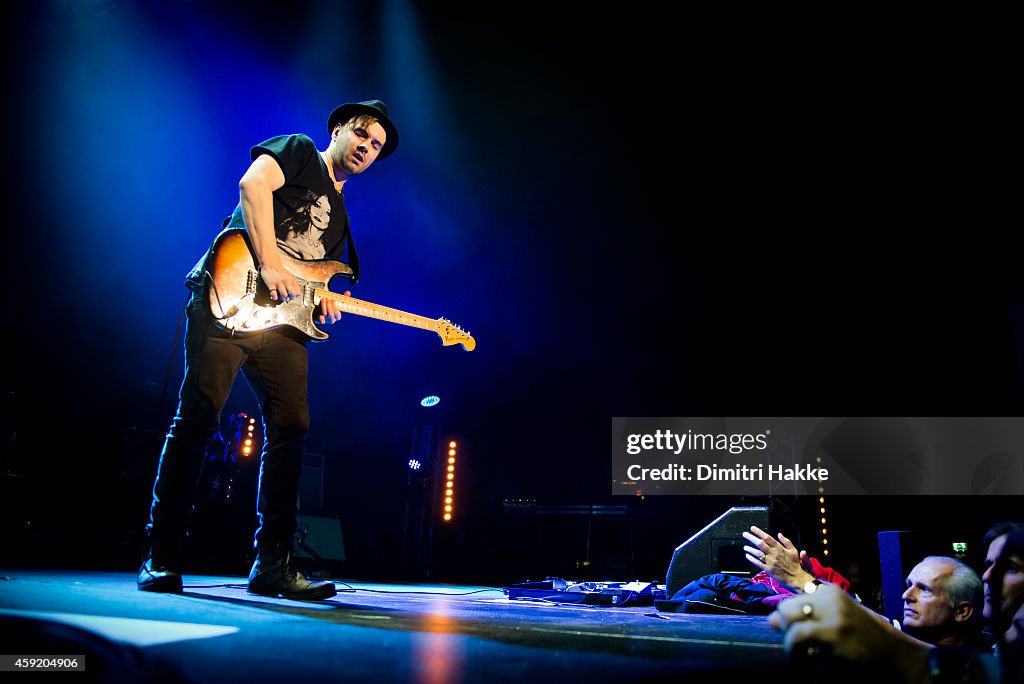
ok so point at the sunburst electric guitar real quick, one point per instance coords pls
(240, 301)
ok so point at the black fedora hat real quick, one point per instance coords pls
(374, 108)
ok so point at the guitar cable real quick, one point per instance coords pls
(170, 361)
(213, 286)
(177, 336)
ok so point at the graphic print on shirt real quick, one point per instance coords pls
(301, 234)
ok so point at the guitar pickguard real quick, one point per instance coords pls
(257, 312)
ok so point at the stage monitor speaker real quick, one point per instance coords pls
(318, 541)
(898, 552)
(718, 548)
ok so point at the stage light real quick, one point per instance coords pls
(449, 496)
(432, 400)
(414, 464)
(824, 530)
(244, 440)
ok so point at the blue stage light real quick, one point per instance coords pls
(432, 400)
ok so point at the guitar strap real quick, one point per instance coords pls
(353, 257)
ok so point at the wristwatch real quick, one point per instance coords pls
(811, 586)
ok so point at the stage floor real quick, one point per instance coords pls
(216, 632)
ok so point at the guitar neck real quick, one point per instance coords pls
(382, 313)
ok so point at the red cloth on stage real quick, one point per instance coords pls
(819, 571)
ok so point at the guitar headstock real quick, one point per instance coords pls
(452, 334)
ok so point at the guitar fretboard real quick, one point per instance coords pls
(383, 313)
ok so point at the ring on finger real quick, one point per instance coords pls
(808, 610)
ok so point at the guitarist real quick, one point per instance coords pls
(291, 202)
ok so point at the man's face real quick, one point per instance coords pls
(926, 602)
(358, 146)
(1013, 582)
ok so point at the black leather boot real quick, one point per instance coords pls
(274, 574)
(159, 567)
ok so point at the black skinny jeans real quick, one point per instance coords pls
(276, 365)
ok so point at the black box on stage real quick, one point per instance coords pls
(319, 543)
(718, 548)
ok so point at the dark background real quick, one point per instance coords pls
(634, 214)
